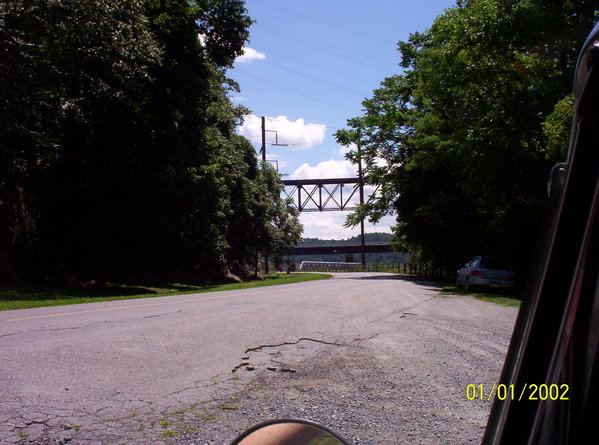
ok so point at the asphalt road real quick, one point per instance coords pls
(157, 370)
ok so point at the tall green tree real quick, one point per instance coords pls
(119, 155)
(70, 70)
(463, 130)
(283, 228)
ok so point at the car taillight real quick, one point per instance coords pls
(477, 273)
(510, 276)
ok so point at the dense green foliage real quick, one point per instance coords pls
(469, 130)
(119, 156)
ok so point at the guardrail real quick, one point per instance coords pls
(410, 269)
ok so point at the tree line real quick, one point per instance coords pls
(463, 139)
(119, 158)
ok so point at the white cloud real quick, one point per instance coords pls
(297, 134)
(345, 149)
(329, 225)
(238, 99)
(250, 54)
(326, 225)
(276, 160)
(280, 165)
(380, 162)
(326, 169)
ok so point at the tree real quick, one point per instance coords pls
(121, 158)
(62, 62)
(258, 221)
(283, 228)
(461, 131)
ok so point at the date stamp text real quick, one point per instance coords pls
(511, 392)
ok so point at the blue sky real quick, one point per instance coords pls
(308, 66)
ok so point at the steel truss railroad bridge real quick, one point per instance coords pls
(320, 195)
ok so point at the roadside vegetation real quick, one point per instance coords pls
(16, 297)
(490, 297)
(120, 160)
(461, 141)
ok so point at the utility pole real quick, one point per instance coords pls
(361, 185)
(263, 164)
(263, 150)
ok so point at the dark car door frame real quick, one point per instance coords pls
(556, 337)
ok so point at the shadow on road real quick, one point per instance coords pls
(410, 278)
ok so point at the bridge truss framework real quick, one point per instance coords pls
(312, 201)
(320, 195)
(335, 194)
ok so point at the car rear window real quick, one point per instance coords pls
(494, 263)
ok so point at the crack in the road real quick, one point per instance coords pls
(57, 329)
(162, 315)
(41, 330)
(403, 314)
(241, 365)
(245, 363)
(12, 333)
(404, 311)
(315, 340)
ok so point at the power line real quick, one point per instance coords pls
(315, 46)
(315, 78)
(343, 28)
(295, 91)
(269, 51)
(313, 119)
(319, 42)
(325, 118)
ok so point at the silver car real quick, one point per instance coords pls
(487, 272)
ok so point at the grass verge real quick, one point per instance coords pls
(14, 297)
(501, 299)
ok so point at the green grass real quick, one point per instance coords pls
(501, 299)
(15, 297)
(228, 407)
(169, 433)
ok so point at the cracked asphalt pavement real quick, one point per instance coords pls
(379, 358)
